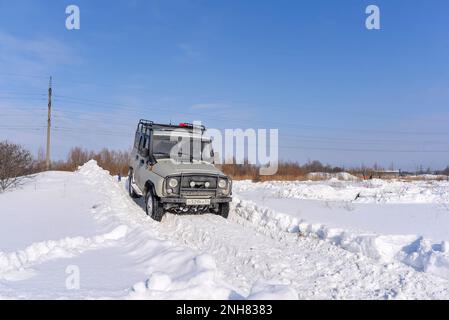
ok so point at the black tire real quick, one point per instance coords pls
(131, 191)
(153, 206)
(223, 210)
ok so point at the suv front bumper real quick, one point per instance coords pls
(184, 200)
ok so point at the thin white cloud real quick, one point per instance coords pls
(33, 56)
(188, 53)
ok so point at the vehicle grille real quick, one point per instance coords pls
(200, 182)
(200, 188)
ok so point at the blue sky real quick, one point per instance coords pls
(336, 91)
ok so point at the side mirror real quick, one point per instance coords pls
(152, 161)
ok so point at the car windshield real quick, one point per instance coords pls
(164, 146)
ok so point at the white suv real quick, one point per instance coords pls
(167, 170)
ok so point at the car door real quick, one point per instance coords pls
(134, 154)
(141, 161)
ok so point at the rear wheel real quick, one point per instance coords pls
(153, 207)
(131, 191)
(223, 209)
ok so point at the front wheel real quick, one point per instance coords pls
(153, 207)
(223, 209)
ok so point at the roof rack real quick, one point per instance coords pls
(146, 125)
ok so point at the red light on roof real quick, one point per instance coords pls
(183, 125)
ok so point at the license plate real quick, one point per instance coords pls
(198, 202)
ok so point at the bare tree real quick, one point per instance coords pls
(446, 171)
(15, 164)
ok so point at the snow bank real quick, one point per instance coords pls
(270, 221)
(371, 191)
(343, 176)
(415, 251)
(426, 256)
(16, 263)
(430, 177)
(197, 280)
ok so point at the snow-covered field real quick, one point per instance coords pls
(384, 220)
(307, 240)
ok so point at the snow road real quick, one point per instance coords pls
(86, 221)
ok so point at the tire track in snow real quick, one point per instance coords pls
(16, 265)
(315, 269)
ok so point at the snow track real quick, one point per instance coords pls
(311, 268)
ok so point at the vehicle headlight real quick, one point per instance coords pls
(222, 183)
(173, 183)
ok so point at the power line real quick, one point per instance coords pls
(88, 102)
(364, 150)
(22, 108)
(338, 140)
(240, 101)
(109, 106)
(19, 116)
(62, 97)
(24, 97)
(78, 131)
(16, 75)
(20, 128)
(288, 137)
(9, 93)
(102, 118)
(123, 107)
(324, 140)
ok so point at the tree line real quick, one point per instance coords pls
(17, 164)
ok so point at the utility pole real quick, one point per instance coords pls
(47, 158)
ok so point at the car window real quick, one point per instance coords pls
(144, 143)
(136, 141)
(140, 143)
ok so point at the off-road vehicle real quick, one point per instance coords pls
(167, 170)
